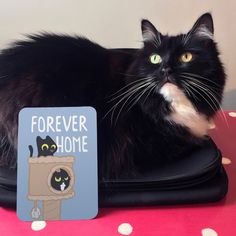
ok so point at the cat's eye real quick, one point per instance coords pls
(58, 179)
(66, 178)
(155, 58)
(186, 57)
(53, 146)
(45, 146)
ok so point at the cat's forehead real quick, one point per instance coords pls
(173, 43)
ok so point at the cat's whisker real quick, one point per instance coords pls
(154, 85)
(205, 90)
(210, 94)
(126, 96)
(212, 88)
(213, 100)
(222, 114)
(196, 80)
(192, 75)
(219, 108)
(200, 84)
(138, 97)
(129, 84)
(196, 90)
(188, 90)
(146, 85)
(192, 90)
(130, 89)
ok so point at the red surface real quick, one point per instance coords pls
(181, 220)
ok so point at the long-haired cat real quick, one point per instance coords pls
(154, 104)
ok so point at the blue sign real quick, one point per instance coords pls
(57, 164)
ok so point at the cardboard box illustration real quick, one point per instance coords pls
(45, 174)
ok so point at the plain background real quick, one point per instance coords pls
(116, 23)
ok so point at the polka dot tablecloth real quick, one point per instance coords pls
(183, 220)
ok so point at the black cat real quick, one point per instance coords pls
(46, 147)
(60, 180)
(154, 104)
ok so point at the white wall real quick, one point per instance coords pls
(116, 23)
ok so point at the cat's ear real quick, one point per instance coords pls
(38, 138)
(48, 137)
(149, 32)
(203, 27)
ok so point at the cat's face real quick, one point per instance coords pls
(46, 147)
(60, 180)
(190, 61)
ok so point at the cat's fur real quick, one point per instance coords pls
(146, 112)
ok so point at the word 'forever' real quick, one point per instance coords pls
(72, 123)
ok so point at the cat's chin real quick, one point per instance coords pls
(170, 91)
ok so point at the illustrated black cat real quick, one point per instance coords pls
(46, 147)
(60, 180)
(154, 104)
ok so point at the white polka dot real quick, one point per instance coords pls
(38, 225)
(232, 114)
(125, 229)
(209, 232)
(226, 161)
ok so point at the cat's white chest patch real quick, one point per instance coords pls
(183, 112)
(62, 186)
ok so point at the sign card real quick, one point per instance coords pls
(57, 164)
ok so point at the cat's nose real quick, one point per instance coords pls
(166, 71)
